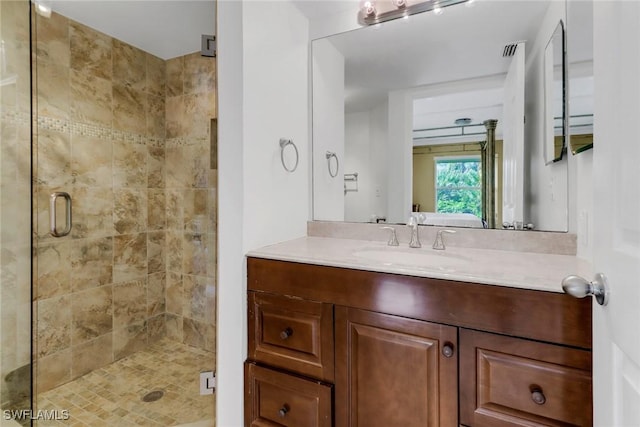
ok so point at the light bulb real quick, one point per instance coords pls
(43, 8)
(368, 8)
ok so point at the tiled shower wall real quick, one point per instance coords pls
(102, 136)
(15, 203)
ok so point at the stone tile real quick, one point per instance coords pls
(155, 167)
(91, 355)
(129, 106)
(92, 263)
(199, 74)
(157, 210)
(91, 99)
(175, 117)
(174, 73)
(174, 251)
(129, 340)
(155, 116)
(92, 212)
(129, 65)
(194, 333)
(53, 325)
(156, 76)
(91, 161)
(54, 159)
(130, 211)
(91, 51)
(199, 109)
(92, 313)
(174, 327)
(156, 288)
(53, 371)
(156, 251)
(194, 297)
(53, 263)
(53, 43)
(175, 209)
(129, 165)
(194, 254)
(157, 328)
(174, 294)
(54, 90)
(195, 210)
(129, 257)
(129, 303)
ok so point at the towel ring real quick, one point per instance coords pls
(329, 155)
(283, 144)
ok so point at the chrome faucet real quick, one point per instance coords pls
(438, 244)
(415, 237)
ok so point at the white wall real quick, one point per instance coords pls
(263, 67)
(546, 186)
(328, 131)
(365, 153)
(399, 157)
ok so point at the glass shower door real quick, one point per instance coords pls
(125, 301)
(15, 214)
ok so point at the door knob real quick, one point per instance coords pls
(579, 287)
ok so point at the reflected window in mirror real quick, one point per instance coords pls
(458, 185)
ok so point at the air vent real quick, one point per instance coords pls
(509, 50)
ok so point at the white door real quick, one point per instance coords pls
(513, 139)
(616, 181)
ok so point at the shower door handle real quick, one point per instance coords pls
(53, 214)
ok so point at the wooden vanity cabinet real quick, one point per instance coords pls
(378, 349)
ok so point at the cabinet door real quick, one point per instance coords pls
(507, 381)
(393, 371)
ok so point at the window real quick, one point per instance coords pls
(459, 185)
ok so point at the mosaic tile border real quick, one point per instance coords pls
(100, 132)
(185, 141)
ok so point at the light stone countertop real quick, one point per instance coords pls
(514, 269)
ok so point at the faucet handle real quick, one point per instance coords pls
(438, 244)
(393, 239)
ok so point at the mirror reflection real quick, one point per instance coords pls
(402, 104)
(580, 70)
(554, 85)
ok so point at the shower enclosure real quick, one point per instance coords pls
(108, 226)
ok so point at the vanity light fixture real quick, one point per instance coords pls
(385, 10)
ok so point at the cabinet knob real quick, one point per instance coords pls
(537, 395)
(286, 333)
(447, 350)
(283, 411)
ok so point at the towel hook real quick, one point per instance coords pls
(329, 155)
(284, 142)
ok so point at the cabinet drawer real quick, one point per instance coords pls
(508, 381)
(276, 399)
(291, 333)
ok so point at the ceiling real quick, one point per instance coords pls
(166, 29)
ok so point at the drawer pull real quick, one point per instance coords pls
(537, 396)
(447, 350)
(283, 411)
(286, 333)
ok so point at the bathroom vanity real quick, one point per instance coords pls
(347, 346)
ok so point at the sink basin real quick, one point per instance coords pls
(420, 258)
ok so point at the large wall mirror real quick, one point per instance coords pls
(403, 105)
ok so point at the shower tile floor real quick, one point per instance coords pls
(112, 395)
